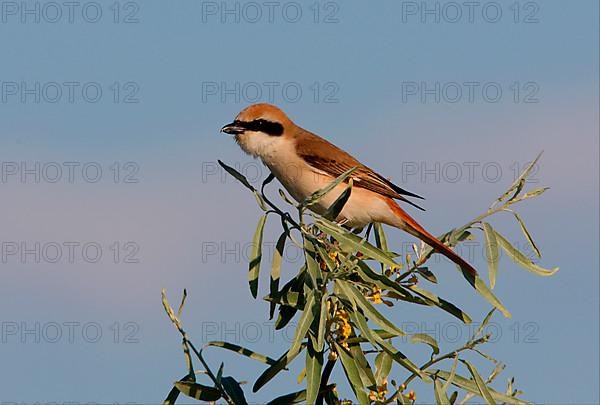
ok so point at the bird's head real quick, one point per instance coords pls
(259, 127)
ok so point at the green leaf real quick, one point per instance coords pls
(471, 386)
(172, 396)
(380, 238)
(174, 393)
(233, 389)
(237, 175)
(382, 281)
(296, 397)
(285, 198)
(491, 252)
(243, 351)
(486, 320)
(279, 365)
(360, 321)
(424, 338)
(198, 391)
(331, 265)
(535, 193)
(314, 270)
(353, 294)
(428, 275)
(383, 367)
(483, 389)
(527, 235)
(433, 299)
(364, 368)
(292, 398)
(256, 256)
(220, 373)
(286, 313)
(305, 320)
(352, 373)
(314, 364)
(354, 242)
(485, 292)
(276, 271)
(518, 184)
(322, 325)
(334, 210)
(521, 259)
(361, 339)
(450, 378)
(441, 398)
(317, 195)
(288, 298)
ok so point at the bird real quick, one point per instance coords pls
(304, 163)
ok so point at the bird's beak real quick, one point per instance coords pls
(232, 129)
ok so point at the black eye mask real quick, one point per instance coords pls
(260, 125)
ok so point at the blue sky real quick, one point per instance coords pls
(145, 186)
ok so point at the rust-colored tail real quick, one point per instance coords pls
(408, 224)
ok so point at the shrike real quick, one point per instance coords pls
(304, 163)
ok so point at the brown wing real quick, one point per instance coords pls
(326, 157)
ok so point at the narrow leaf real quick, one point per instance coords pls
(521, 259)
(304, 323)
(256, 256)
(355, 243)
(527, 235)
(351, 370)
(471, 386)
(491, 252)
(383, 367)
(486, 320)
(198, 391)
(317, 195)
(174, 393)
(428, 340)
(361, 302)
(376, 340)
(243, 351)
(520, 181)
(334, 210)
(441, 398)
(237, 175)
(233, 389)
(322, 326)
(314, 364)
(272, 371)
(364, 368)
(483, 389)
(276, 271)
(450, 378)
(433, 299)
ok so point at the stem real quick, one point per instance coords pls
(209, 372)
(468, 346)
(324, 378)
